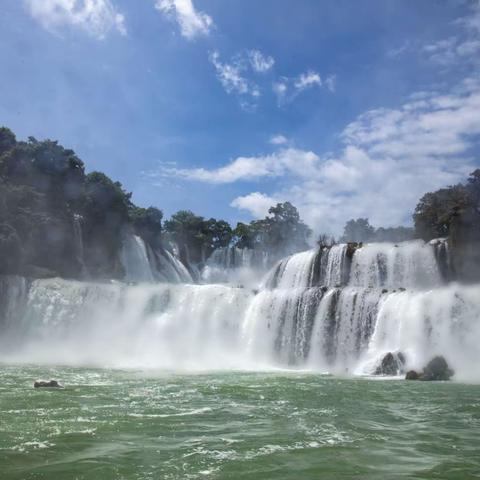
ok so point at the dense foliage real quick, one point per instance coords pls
(438, 212)
(43, 191)
(360, 230)
(454, 212)
(280, 232)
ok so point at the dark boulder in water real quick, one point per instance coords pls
(50, 384)
(412, 375)
(436, 369)
(391, 364)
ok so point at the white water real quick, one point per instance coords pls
(143, 264)
(78, 244)
(135, 260)
(294, 322)
(408, 264)
(235, 266)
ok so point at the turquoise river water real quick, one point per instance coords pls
(111, 424)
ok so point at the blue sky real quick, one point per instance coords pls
(345, 108)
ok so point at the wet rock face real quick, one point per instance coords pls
(436, 369)
(391, 364)
(412, 375)
(50, 384)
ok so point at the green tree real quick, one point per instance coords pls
(436, 211)
(358, 230)
(7, 140)
(147, 223)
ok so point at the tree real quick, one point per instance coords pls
(282, 231)
(147, 223)
(218, 234)
(358, 230)
(7, 140)
(436, 211)
(244, 235)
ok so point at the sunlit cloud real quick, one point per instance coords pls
(192, 23)
(95, 17)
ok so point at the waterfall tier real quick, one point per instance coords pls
(235, 266)
(331, 310)
(143, 264)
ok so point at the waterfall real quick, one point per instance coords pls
(235, 266)
(135, 259)
(338, 310)
(170, 268)
(78, 244)
(149, 325)
(409, 264)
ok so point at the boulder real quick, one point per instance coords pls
(437, 369)
(50, 384)
(412, 375)
(392, 363)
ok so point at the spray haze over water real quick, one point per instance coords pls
(331, 310)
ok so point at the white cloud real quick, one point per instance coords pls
(389, 159)
(256, 203)
(260, 63)
(280, 89)
(96, 17)
(192, 22)
(307, 80)
(331, 83)
(278, 140)
(229, 75)
(287, 89)
(462, 47)
(233, 76)
(251, 168)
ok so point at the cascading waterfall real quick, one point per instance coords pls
(143, 264)
(135, 259)
(235, 266)
(338, 309)
(78, 242)
(409, 265)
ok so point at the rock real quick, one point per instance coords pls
(391, 364)
(437, 369)
(412, 375)
(35, 271)
(50, 384)
(351, 248)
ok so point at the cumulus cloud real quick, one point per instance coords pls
(192, 23)
(251, 168)
(389, 159)
(96, 17)
(256, 203)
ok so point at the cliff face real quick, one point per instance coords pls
(465, 245)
